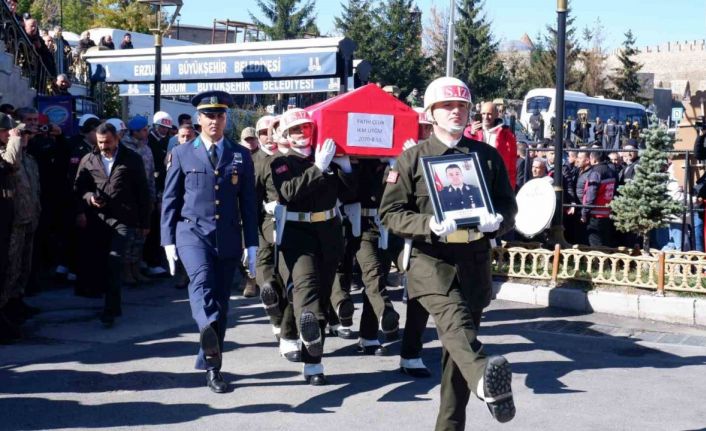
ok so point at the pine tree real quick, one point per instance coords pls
(400, 60)
(286, 21)
(476, 59)
(626, 82)
(543, 70)
(357, 23)
(643, 204)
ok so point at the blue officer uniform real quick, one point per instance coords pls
(209, 213)
(466, 197)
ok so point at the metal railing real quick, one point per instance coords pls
(25, 57)
(656, 270)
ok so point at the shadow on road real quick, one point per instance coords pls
(74, 414)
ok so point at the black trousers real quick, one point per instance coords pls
(153, 253)
(111, 242)
(600, 232)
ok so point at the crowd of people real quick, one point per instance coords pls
(120, 202)
(592, 175)
(55, 52)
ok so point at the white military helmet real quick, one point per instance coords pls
(117, 123)
(444, 90)
(264, 123)
(293, 117)
(83, 118)
(161, 118)
(423, 115)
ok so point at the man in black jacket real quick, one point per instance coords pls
(111, 184)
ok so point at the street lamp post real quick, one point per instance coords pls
(158, 33)
(450, 41)
(557, 227)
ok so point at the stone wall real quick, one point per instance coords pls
(673, 64)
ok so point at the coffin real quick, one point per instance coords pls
(365, 122)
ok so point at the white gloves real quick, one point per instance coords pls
(490, 223)
(324, 154)
(269, 207)
(409, 143)
(171, 253)
(249, 259)
(444, 228)
(344, 162)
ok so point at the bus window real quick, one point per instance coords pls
(538, 103)
(570, 109)
(607, 112)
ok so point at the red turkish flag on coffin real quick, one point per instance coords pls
(365, 122)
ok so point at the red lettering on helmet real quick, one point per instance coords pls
(282, 169)
(455, 91)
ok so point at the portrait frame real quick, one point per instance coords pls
(457, 188)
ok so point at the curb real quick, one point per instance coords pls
(684, 311)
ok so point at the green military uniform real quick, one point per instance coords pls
(24, 224)
(451, 280)
(374, 264)
(312, 245)
(265, 190)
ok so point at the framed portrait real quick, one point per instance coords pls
(457, 188)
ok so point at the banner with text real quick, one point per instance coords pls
(220, 67)
(314, 85)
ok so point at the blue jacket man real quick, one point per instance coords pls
(209, 209)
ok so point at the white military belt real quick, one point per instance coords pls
(313, 217)
(368, 212)
(463, 236)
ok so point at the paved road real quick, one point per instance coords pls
(572, 372)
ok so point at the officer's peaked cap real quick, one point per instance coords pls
(212, 101)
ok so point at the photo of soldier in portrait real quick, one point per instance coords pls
(460, 193)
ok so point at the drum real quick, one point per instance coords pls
(536, 203)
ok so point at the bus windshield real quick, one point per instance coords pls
(538, 103)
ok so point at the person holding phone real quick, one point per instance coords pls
(111, 185)
(489, 128)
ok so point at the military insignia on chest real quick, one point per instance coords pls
(237, 162)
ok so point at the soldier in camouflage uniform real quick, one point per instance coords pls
(27, 209)
(136, 140)
(10, 162)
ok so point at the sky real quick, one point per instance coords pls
(653, 22)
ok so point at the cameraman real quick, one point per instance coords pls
(49, 149)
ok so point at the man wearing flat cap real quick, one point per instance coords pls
(209, 210)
